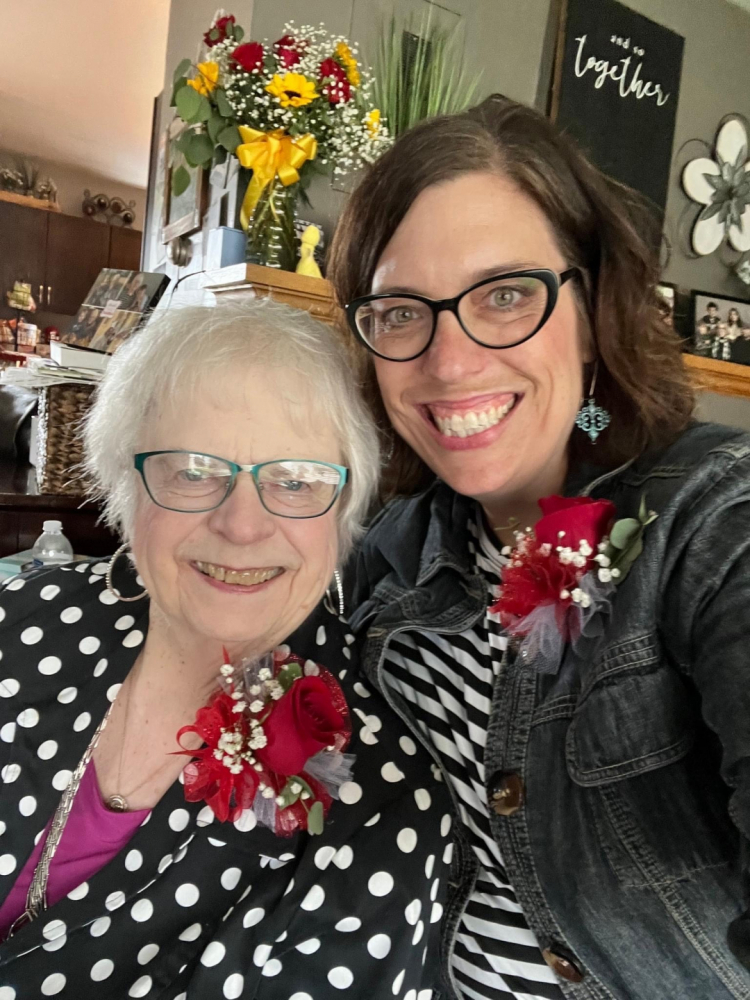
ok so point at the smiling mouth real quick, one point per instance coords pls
(240, 577)
(471, 422)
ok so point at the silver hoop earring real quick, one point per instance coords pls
(328, 599)
(110, 586)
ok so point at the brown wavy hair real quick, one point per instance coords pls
(606, 229)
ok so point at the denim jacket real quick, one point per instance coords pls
(628, 843)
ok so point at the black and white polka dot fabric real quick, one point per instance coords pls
(194, 908)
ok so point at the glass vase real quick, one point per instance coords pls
(271, 240)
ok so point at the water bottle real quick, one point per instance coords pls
(52, 548)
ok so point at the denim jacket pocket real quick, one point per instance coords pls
(634, 717)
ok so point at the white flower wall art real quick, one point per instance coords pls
(722, 186)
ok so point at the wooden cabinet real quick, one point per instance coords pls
(60, 255)
(77, 250)
(124, 248)
(23, 243)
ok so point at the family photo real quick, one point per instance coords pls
(721, 328)
(115, 306)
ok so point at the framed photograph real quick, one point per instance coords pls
(721, 328)
(667, 292)
(114, 308)
(154, 252)
(183, 214)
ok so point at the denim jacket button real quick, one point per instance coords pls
(562, 967)
(506, 794)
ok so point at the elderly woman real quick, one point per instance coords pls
(594, 722)
(300, 846)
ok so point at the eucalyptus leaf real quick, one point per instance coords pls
(188, 102)
(220, 155)
(204, 109)
(316, 819)
(182, 82)
(230, 138)
(623, 532)
(625, 563)
(225, 109)
(239, 33)
(201, 149)
(215, 125)
(180, 181)
(182, 69)
(289, 675)
(183, 140)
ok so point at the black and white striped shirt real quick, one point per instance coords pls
(448, 681)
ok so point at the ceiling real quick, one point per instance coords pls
(78, 79)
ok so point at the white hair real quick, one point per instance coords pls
(173, 353)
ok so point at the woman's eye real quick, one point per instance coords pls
(505, 297)
(398, 316)
(288, 486)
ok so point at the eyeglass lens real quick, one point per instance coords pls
(188, 481)
(500, 313)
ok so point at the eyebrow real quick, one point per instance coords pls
(486, 272)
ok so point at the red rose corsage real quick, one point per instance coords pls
(274, 739)
(562, 572)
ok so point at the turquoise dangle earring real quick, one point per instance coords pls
(593, 419)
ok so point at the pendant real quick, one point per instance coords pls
(117, 803)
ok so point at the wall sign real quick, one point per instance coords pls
(615, 90)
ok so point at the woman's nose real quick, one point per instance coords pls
(242, 518)
(452, 356)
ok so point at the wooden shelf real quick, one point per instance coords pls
(314, 295)
(723, 377)
(29, 201)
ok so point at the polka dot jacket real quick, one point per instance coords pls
(194, 908)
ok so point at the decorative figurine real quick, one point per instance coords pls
(307, 264)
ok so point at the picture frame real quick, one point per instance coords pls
(117, 304)
(720, 327)
(154, 253)
(183, 215)
(667, 292)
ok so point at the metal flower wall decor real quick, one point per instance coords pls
(722, 186)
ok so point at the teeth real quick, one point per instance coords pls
(246, 578)
(467, 424)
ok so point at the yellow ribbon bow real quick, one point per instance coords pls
(270, 155)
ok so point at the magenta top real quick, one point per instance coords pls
(92, 836)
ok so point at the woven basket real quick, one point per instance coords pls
(60, 447)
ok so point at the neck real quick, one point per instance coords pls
(517, 509)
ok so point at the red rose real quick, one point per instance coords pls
(337, 89)
(249, 56)
(288, 51)
(219, 31)
(302, 723)
(581, 518)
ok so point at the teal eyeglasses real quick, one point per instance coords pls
(191, 482)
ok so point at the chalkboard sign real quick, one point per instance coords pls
(617, 82)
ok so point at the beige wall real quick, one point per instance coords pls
(72, 181)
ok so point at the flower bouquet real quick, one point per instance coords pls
(286, 110)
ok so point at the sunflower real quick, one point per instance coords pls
(207, 78)
(344, 55)
(293, 90)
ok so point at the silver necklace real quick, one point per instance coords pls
(36, 897)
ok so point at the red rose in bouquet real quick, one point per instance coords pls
(305, 721)
(337, 88)
(249, 56)
(287, 49)
(220, 31)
